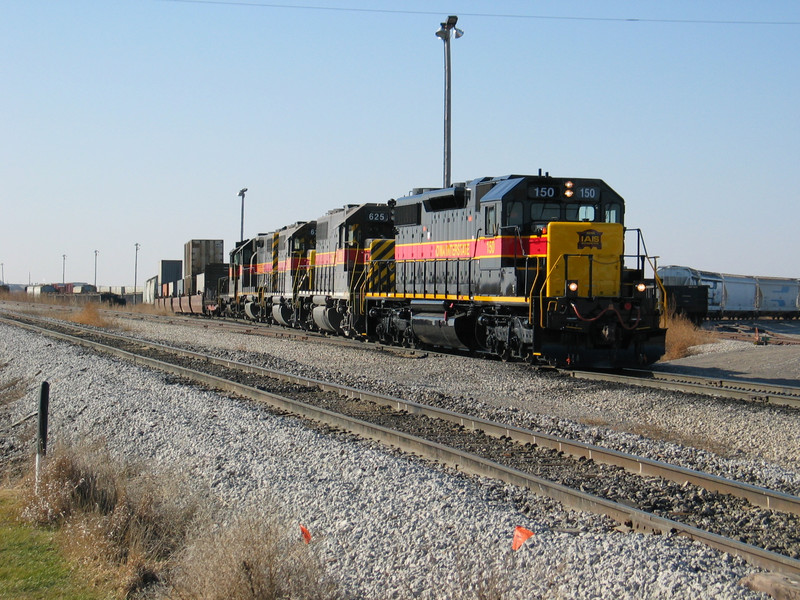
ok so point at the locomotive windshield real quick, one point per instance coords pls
(535, 215)
(565, 200)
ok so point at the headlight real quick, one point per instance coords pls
(571, 288)
(641, 287)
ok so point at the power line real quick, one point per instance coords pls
(484, 15)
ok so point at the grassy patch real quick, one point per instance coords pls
(135, 535)
(30, 563)
(682, 334)
(89, 315)
(122, 525)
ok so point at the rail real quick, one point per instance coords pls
(477, 465)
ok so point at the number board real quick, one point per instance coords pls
(543, 191)
(587, 193)
(378, 216)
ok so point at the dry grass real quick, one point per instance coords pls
(122, 526)
(655, 432)
(18, 435)
(12, 390)
(250, 559)
(682, 334)
(144, 537)
(89, 315)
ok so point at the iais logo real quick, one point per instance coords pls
(590, 238)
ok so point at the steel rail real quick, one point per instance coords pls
(755, 495)
(751, 391)
(459, 460)
(466, 462)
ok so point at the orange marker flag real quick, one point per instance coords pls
(306, 534)
(520, 535)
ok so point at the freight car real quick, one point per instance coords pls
(523, 267)
(738, 296)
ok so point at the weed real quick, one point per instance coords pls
(250, 558)
(89, 315)
(682, 334)
(120, 523)
(142, 536)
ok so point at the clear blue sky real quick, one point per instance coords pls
(128, 121)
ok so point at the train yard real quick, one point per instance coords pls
(766, 463)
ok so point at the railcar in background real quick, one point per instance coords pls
(734, 296)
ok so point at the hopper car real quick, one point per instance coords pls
(725, 296)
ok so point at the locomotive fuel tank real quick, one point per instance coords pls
(436, 324)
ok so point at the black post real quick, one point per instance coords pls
(41, 436)
(44, 405)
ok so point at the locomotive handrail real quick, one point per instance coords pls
(544, 286)
(643, 257)
(533, 288)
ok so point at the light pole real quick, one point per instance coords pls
(444, 35)
(63, 269)
(135, 272)
(96, 252)
(241, 231)
(3, 272)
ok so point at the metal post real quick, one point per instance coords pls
(63, 269)
(96, 252)
(135, 272)
(447, 111)
(241, 231)
(444, 35)
(41, 436)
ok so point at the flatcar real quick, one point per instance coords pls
(737, 296)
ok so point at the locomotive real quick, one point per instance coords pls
(527, 267)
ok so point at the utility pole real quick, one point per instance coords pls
(444, 35)
(241, 231)
(135, 272)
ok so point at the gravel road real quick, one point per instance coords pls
(391, 526)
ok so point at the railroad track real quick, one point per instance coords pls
(751, 391)
(737, 389)
(495, 450)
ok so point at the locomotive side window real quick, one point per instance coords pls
(612, 213)
(491, 220)
(515, 214)
(581, 212)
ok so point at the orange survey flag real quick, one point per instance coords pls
(520, 535)
(306, 534)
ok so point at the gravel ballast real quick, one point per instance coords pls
(387, 525)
